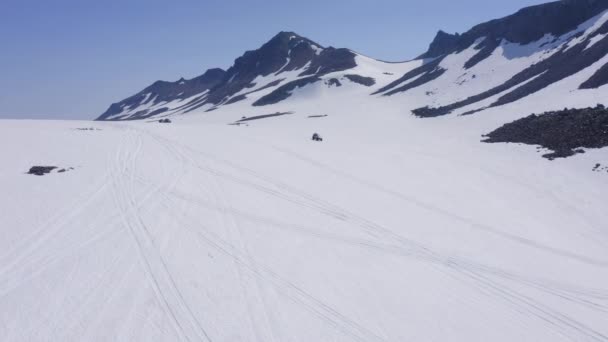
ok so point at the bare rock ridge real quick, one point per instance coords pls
(442, 44)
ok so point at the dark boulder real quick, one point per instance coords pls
(333, 82)
(41, 170)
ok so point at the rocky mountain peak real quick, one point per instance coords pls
(286, 51)
(443, 42)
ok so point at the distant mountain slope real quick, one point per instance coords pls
(285, 54)
(563, 38)
(493, 64)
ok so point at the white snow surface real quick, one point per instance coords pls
(392, 229)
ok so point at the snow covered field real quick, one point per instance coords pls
(392, 229)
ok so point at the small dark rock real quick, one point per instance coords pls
(334, 82)
(41, 170)
(366, 81)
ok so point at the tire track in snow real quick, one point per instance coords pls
(200, 330)
(237, 238)
(35, 261)
(556, 320)
(31, 245)
(105, 289)
(437, 210)
(183, 159)
(300, 229)
(33, 253)
(292, 291)
(564, 291)
(165, 288)
(287, 288)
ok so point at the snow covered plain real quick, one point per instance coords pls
(392, 229)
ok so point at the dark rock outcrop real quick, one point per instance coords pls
(362, 80)
(442, 44)
(598, 79)
(333, 82)
(331, 60)
(283, 92)
(563, 132)
(415, 78)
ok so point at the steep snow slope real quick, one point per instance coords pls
(392, 229)
(476, 78)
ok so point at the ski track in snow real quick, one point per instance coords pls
(302, 297)
(164, 284)
(188, 179)
(457, 217)
(469, 271)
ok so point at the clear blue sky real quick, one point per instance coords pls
(72, 58)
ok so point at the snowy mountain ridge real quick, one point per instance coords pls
(493, 64)
(286, 57)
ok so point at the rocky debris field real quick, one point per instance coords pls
(565, 132)
(600, 168)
